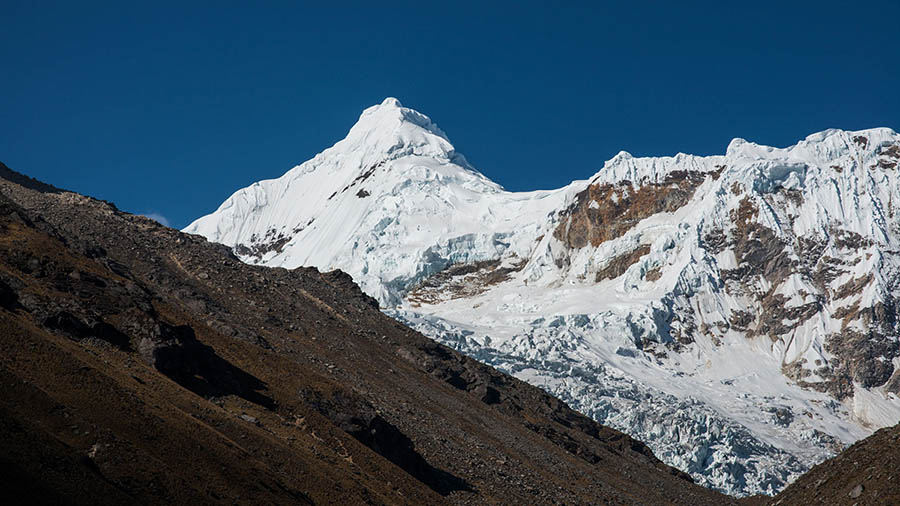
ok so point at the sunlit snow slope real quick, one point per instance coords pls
(738, 313)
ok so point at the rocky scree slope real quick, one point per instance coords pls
(737, 312)
(865, 473)
(141, 364)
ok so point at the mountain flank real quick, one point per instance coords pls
(144, 365)
(866, 473)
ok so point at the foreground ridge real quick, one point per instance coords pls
(145, 365)
(865, 473)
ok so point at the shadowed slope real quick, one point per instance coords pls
(145, 365)
(866, 473)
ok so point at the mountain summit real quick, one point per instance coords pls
(394, 181)
(389, 129)
(738, 312)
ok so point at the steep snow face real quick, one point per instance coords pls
(390, 204)
(738, 312)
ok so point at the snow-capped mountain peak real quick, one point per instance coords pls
(395, 175)
(391, 130)
(737, 312)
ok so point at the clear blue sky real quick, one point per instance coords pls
(169, 108)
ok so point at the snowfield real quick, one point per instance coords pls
(737, 313)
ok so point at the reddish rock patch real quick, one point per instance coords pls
(619, 264)
(604, 212)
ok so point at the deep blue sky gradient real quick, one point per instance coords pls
(169, 108)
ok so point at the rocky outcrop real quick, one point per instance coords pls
(606, 211)
(462, 280)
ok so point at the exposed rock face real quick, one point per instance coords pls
(143, 365)
(606, 211)
(459, 281)
(72, 326)
(617, 266)
(272, 241)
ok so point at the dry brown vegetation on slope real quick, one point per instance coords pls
(143, 365)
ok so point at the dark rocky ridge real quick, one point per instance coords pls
(866, 473)
(144, 365)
